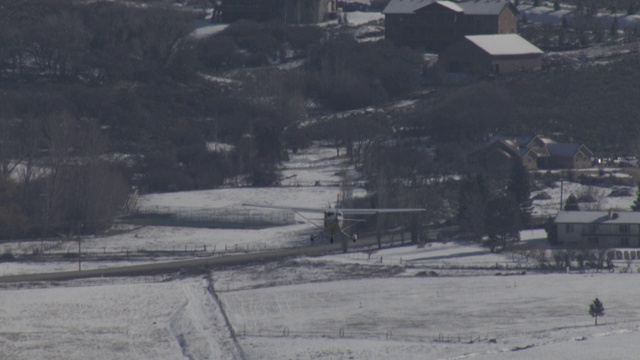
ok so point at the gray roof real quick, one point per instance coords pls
(405, 6)
(560, 149)
(483, 7)
(472, 7)
(598, 217)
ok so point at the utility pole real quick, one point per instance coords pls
(80, 247)
(79, 254)
(561, 187)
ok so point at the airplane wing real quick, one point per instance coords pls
(344, 211)
(290, 208)
(379, 211)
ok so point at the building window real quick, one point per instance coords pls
(568, 228)
(624, 242)
(593, 241)
(593, 228)
(624, 228)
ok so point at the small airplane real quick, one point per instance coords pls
(334, 218)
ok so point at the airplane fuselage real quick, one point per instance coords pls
(333, 221)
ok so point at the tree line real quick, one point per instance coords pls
(99, 96)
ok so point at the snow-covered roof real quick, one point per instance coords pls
(503, 44)
(598, 217)
(503, 152)
(483, 7)
(405, 6)
(521, 140)
(548, 15)
(450, 5)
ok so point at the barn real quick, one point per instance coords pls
(491, 55)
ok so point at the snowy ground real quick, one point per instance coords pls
(483, 317)
(119, 320)
(603, 200)
(441, 301)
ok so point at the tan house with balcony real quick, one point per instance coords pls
(599, 228)
(501, 153)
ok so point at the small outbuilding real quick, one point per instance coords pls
(491, 55)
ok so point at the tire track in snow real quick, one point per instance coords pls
(238, 353)
(200, 327)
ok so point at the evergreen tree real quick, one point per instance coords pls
(571, 204)
(592, 10)
(631, 10)
(579, 7)
(13, 219)
(502, 222)
(556, 5)
(552, 231)
(636, 202)
(614, 27)
(519, 188)
(472, 206)
(596, 308)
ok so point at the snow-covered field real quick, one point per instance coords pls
(481, 317)
(119, 320)
(441, 301)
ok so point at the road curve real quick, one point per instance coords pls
(176, 266)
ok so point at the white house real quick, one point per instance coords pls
(599, 228)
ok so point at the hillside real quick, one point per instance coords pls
(161, 99)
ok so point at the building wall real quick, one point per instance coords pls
(397, 30)
(570, 162)
(496, 158)
(465, 56)
(530, 162)
(436, 27)
(570, 234)
(498, 162)
(582, 160)
(507, 21)
(480, 24)
(600, 235)
(516, 63)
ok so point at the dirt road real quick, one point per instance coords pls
(195, 265)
